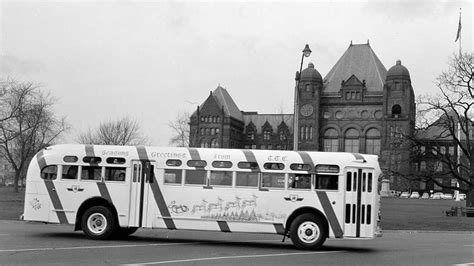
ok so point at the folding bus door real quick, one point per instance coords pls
(359, 202)
(142, 174)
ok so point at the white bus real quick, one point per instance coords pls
(114, 190)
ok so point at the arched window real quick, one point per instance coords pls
(351, 140)
(204, 144)
(331, 140)
(372, 142)
(396, 110)
(214, 143)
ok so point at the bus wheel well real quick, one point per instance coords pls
(303, 210)
(96, 201)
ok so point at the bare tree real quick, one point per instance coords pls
(29, 125)
(123, 131)
(180, 128)
(447, 118)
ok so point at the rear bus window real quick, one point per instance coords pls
(49, 172)
(114, 173)
(70, 172)
(91, 173)
(173, 176)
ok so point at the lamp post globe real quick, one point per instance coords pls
(306, 51)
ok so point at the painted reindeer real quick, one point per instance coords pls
(215, 206)
(232, 204)
(177, 208)
(199, 207)
(252, 202)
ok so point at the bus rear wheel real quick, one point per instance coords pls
(308, 232)
(98, 223)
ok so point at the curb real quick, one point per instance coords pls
(426, 232)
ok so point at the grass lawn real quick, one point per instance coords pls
(397, 214)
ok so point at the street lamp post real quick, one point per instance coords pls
(306, 53)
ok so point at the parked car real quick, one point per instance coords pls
(425, 195)
(462, 196)
(8, 183)
(405, 195)
(437, 195)
(414, 195)
(447, 196)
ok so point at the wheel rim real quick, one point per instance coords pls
(308, 232)
(97, 223)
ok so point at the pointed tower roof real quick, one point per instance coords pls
(361, 61)
(222, 98)
(225, 101)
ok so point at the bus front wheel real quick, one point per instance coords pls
(308, 231)
(98, 223)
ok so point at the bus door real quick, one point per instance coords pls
(359, 202)
(139, 190)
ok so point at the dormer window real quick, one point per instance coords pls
(267, 134)
(251, 135)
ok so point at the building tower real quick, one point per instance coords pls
(399, 123)
(309, 90)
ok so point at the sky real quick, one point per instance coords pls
(155, 60)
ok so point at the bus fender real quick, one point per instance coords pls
(303, 210)
(95, 201)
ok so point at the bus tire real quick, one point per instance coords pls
(126, 231)
(308, 231)
(98, 222)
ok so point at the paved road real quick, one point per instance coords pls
(31, 243)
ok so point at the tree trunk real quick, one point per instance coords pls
(15, 180)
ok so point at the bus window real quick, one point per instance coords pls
(195, 177)
(221, 164)
(274, 166)
(329, 182)
(221, 178)
(300, 167)
(69, 172)
(114, 173)
(173, 176)
(93, 160)
(173, 162)
(197, 163)
(91, 172)
(115, 160)
(275, 180)
(246, 179)
(49, 172)
(70, 159)
(248, 165)
(299, 181)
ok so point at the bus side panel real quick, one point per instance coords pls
(37, 201)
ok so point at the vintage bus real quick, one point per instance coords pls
(114, 190)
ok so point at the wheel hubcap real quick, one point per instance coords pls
(97, 223)
(308, 232)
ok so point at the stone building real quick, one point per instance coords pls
(357, 107)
